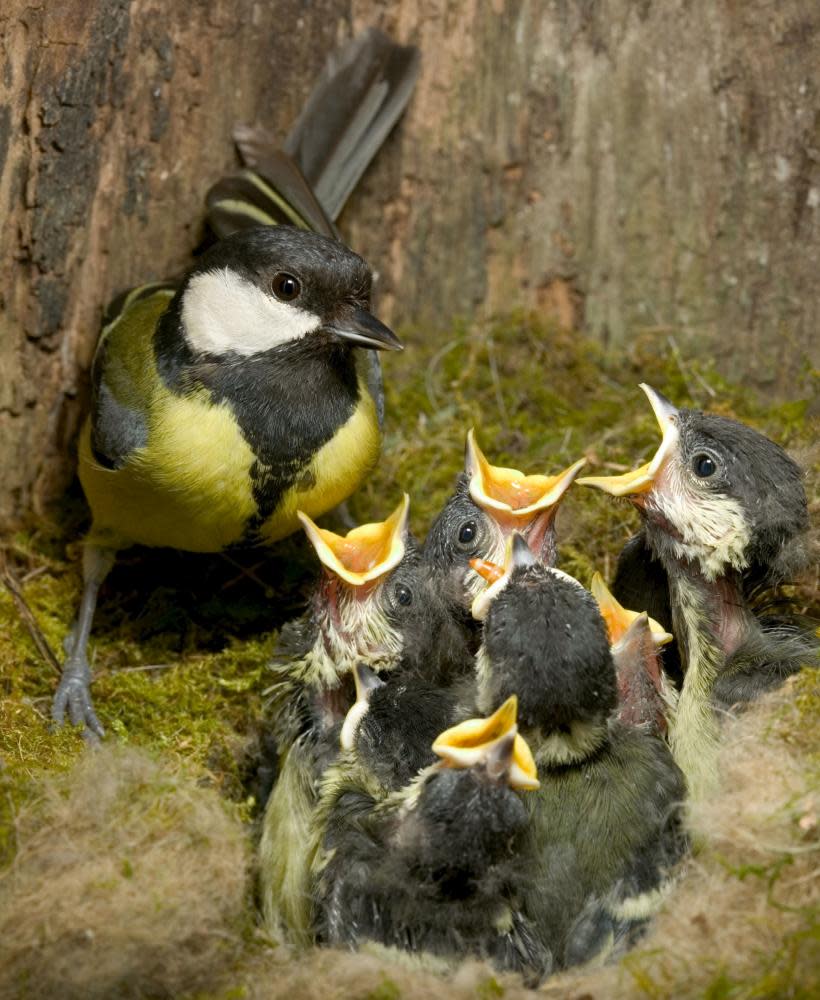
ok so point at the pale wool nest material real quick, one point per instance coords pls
(129, 880)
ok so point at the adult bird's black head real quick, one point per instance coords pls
(489, 503)
(717, 495)
(544, 639)
(272, 292)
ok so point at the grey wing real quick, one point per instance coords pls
(118, 423)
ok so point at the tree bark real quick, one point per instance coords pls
(635, 168)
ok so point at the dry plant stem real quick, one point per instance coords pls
(27, 615)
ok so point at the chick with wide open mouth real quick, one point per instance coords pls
(493, 742)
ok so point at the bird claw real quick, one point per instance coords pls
(74, 693)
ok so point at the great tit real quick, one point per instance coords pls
(489, 503)
(224, 401)
(435, 866)
(376, 604)
(646, 696)
(724, 511)
(605, 824)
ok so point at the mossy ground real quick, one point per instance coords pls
(180, 641)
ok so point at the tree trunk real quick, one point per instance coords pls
(636, 168)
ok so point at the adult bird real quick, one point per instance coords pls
(724, 512)
(226, 400)
(605, 825)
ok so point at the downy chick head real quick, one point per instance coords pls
(468, 814)
(392, 724)
(276, 291)
(363, 592)
(377, 603)
(716, 494)
(489, 503)
(544, 639)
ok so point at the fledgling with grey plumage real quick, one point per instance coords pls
(646, 695)
(489, 503)
(724, 513)
(374, 604)
(248, 388)
(605, 824)
(432, 866)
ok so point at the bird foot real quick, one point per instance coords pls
(74, 693)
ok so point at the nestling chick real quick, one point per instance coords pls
(724, 510)
(645, 693)
(374, 604)
(224, 401)
(488, 504)
(435, 867)
(605, 824)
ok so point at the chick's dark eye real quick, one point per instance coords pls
(704, 466)
(404, 595)
(285, 286)
(467, 532)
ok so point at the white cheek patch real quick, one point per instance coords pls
(712, 529)
(223, 313)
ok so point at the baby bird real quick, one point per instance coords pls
(374, 604)
(434, 866)
(724, 511)
(605, 823)
(489, 503)
(645, 694)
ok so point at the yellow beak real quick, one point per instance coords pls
(366, 682)
(517, 553)
(364, 553)
(618, 618)
(643, 479)
(479, 740)
(508, 491)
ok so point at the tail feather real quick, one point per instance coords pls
(355, 103)
(306, 181)
(277, 195)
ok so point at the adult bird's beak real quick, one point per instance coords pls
(361, 328)
(366, 683)
(494, 743)
(642, 480)
(364, 553)
(509, 495)
(517, 554)
(619, 619)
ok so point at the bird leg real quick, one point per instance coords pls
(74, 691)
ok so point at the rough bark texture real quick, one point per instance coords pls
(633, 167)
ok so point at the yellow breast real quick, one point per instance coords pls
(336, 471)
(190, 486)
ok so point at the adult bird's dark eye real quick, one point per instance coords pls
(704, 466)
(404, 595)
(285, 286)
(467, 532)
